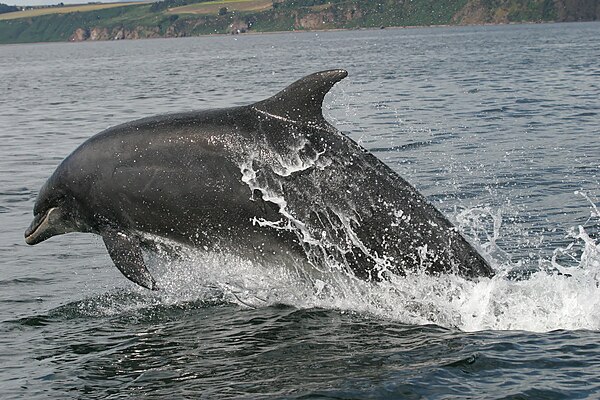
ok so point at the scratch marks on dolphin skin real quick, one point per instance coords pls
(268, 114)
(150, 184)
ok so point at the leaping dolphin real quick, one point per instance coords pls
(269, 180)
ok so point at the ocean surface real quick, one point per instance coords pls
(498, 126)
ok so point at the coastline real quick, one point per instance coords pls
(296, 31)
(166, 19)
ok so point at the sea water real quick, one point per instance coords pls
(498, 126)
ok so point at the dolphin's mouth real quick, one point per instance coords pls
(38, 231)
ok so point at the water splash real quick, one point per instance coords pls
(554, 297)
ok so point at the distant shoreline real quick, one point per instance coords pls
(186, 18)
(260, 33)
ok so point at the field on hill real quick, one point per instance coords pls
(36, 12)
(213, 7)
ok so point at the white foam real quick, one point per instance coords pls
(545, 301)
(556, 297)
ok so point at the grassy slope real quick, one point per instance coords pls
(197, 19)
(36, 12)
(59, 27)
(212, 7)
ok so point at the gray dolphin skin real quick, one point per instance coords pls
(272, 181)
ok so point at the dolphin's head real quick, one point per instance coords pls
(56, 212)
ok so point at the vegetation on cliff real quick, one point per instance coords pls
(176, 18)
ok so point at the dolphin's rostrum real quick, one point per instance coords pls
(272, 180)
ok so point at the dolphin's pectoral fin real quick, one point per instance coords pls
(126, 253)
(303, 99)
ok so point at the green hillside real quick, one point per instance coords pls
(177, 18)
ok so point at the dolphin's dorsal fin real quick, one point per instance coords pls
(303, 99)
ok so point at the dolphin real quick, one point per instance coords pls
(269, 181)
